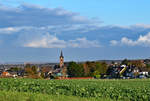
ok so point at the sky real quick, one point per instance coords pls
(37, 30)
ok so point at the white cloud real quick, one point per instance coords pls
(113, 42)
(142, 25)
(79, 18)
(143, 40)
(127, 41)
(83, 43)
(131, 27)
(46, 41)
(8, 30)
(50, 41)
(11, 30)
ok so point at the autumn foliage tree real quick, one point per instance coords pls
(137, 63)
(31, 71)
(95, 68)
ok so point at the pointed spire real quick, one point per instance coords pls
(61, 54)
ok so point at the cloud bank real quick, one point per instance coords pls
(143, 40)
(28, 26)
(50, 41)
(33, 15)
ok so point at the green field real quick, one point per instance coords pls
(76, 90)
(22, 96)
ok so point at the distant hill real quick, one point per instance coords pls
(110, 61)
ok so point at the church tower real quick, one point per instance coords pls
(61, 64)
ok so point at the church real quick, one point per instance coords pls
(61, 71)
(61, 63)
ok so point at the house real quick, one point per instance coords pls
(6, 74)
(1, 71)
(123, 71)
(143, 73)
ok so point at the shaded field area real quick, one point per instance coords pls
(77, 90)
(23, 96)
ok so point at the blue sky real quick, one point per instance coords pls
(119, 12)
(36, 30)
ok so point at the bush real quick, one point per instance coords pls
(97, 76)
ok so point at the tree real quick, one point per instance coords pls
(101, 67)
(75, 70)
(90, 68)
(15, 69)
(137, 63)
(125, 62)
(148, 67)
(86, 69)
(31, 71)
(34, 69)
(28, 69)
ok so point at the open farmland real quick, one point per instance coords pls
(24, 96)
(136, 89)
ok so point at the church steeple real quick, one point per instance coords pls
(61, 54)
(61, 64)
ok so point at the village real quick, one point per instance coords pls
(124, 69)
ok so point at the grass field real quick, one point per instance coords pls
(74, 90)
(22, 96)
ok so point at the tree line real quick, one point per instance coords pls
(87, 69)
